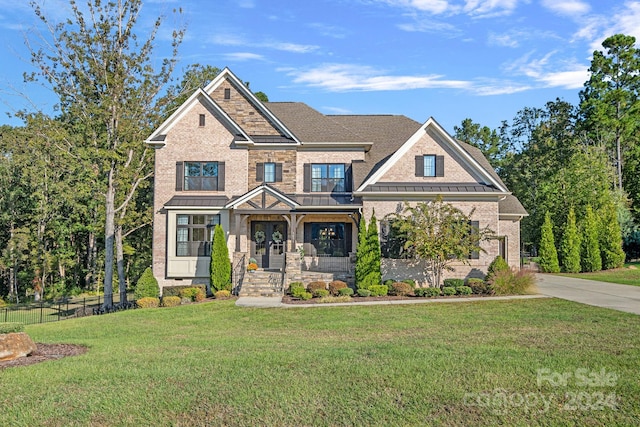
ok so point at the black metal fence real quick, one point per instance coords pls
(64, 308)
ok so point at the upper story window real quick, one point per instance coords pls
(201, 120)
(194, 234)
(199, 176)
(269, 172)
(429, 165)
(327, 177)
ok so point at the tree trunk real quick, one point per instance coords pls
(122, 280)
(109, 237)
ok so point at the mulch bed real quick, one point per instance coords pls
(287, 299)
(46, 352)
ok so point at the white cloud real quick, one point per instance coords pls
(434, 7)
(243, 56)
(430, 26)
(567, 7)
(476, 8)
(500, 88)
(246, 4)
(547, 72)
(237, 40)
(489, 8)
(506, 40)
(290, 47)
(569, 79)
(345, 77)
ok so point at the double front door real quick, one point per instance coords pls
(268, 243)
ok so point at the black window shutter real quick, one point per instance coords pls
(348, 178)
(307, 178)
(179, 175)
(259, 172)
(419, 165)
(220, 176)
(349, 237)
(278, 172)
(475, 225)
(439, 165)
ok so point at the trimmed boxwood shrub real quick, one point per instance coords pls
(296, 288)
(463, 290)
(420, 292)
(176, 291)
(448, 290)
(320, 293)
(314, 286)
(148, 302)
(433, 292)
(345, 292)
(364, 292)
(478, 286)
(196, 293)
(171, 301)
(305, 296)
(329, 299)
(454, 283)
(222, 294)
(498, 264)
(11, 327)
(147, 286)
(378, 290)
(335, 286)
(400, 289)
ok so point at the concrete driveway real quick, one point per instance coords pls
(608, 295)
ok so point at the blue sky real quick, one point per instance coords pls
(450, 59)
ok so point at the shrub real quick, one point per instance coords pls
(320, 293)
(171, 301)
(220, 265)
(448, 290)
(454, 283)
(335, 286)
(314, 286)
(200, 295)
(411, 282)
(305, 296)
(478, 286)
(378, 290)
(11, 327)
(182, 291)
(433, 292)
(420, 292)
(464, 290)
(185, 300)
(296, 287)
(364, 292)
(223, 294)
(547, 251)
(148, 302)
(298, 291)
(2, 303)
(400, 289)
(590, 254)
(389, 282)
(345, 292)
(342, 298)
(147, 286)
(512, 283)
(498, 264)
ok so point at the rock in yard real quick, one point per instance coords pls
(15, 345)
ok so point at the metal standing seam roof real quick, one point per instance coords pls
(400, 187)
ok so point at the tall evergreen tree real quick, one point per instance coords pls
(361, 253)
(591, 259)
(610, 238)
(548, 253)
(373, 275)
(570, 245)
(220, 263)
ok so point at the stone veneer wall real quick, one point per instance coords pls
(285, 156)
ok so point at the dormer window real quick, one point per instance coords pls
(429, 165)
(269, 172)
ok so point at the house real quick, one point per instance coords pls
(289, 184)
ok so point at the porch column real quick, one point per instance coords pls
(293, 220)
(240, 220)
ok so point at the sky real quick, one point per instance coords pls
(446, 59)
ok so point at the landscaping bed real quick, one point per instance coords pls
(288, 299)
(46, 352)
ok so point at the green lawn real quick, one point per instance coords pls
(425, 364)
(624, 276)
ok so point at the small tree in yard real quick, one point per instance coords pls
(591, 260)
(220, 264)
(570, 245)
(147, 286)
(610, 238)
(368, 255)
(548, 253)
(440, 234)
(361, 251)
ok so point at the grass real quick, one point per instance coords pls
(623, 276)
(425, 364)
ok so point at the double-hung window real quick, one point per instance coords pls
(269, 172)
(202, 176)
(194, 234)
(429, 165)
(327, 178)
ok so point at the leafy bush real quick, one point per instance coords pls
(498, 264)
(188, 292)
(345, 292)
(411, 282)
(185, 300)
(147, 286)
(364, 292)
(335, 286)
(478, 286)
(320, 293)
(148, 302)
(400, 289)
(454, 283)
(420, 292)
(342, 298)
(200, 295)
(448, 290)
(171, 301)
(223, 294)
(314, 286)
(433, 292)
(305, 296)
(179, 291)
(464, 290)
(378, 290)
(11, 327)
(2, 303)
(299, 291)
(296, 287)
(513, 283)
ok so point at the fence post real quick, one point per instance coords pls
(41, 311)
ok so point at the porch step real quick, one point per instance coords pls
(261, 283)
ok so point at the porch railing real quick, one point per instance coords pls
(327, 263)
(238, 274)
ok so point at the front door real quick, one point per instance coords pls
(268, 243)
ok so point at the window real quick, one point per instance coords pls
(392, 241)
(194, 234)
(327, 178)
(201, 120)
(201, 176)
(227, 93)
(429, 165)
(328, 238)
(269, 172)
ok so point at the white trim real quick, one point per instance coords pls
(404, 149)
(264, 188)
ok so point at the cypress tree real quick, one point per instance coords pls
(373, 275)
(220, 264)
(361, 251)
(610, 238)
(548, 253)
(591, 260)
(570, 245)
